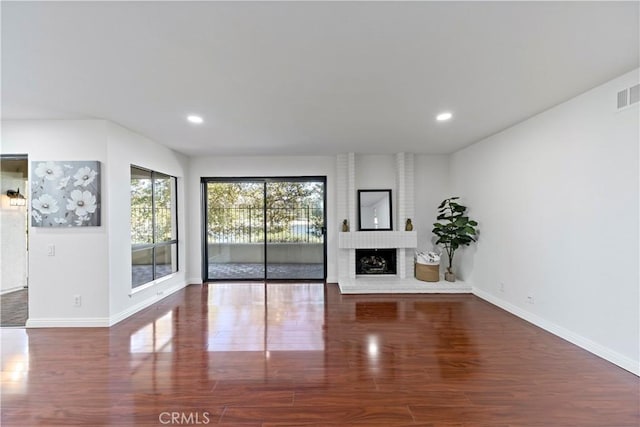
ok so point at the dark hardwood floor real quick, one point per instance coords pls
(302, 354)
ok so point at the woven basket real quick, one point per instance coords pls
(428, 273)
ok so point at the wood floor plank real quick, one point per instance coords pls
(336, 413)
(268, 355)
(395, 398)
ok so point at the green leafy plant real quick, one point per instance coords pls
(454, 229)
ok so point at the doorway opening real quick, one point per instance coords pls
(14, 223)
(268, 228)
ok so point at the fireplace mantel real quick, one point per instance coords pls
(378, 239)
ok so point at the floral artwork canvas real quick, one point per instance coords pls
(65, 194)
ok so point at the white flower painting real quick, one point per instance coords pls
(46, 204)
(81, 203)
(49, 171)
(84, 176)
(65, 194)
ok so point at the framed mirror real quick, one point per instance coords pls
(374, 210)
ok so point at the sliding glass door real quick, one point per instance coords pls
(264, 228)
(295, 229)
(235, 230)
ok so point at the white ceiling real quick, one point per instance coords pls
(309, 77)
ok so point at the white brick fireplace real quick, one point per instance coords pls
(405, 242)
(399, 240)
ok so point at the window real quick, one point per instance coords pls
(154, 231)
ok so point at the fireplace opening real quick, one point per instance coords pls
(375, 261)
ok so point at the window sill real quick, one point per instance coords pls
(152, 283)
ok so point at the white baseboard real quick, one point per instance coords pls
(194, 281)
(102, 322)
(81, 322)
(146, 303)
(607, 354)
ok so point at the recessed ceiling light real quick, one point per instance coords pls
(195, 119)
(444, 116)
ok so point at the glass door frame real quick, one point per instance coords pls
(264, 180)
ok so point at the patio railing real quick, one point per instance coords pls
(283, 225)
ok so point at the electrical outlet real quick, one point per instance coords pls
(77, 300)
(530, 299)
(501, 287)
(51, 250)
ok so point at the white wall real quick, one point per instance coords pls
(556, 198)
(432, 186)
(93, 262)
(257, 166)
(79, 266)
(125, 148)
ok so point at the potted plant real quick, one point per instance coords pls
(454, 230)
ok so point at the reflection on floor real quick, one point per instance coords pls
(247, 270)
(256, 354)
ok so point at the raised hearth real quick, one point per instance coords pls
(396, 285)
